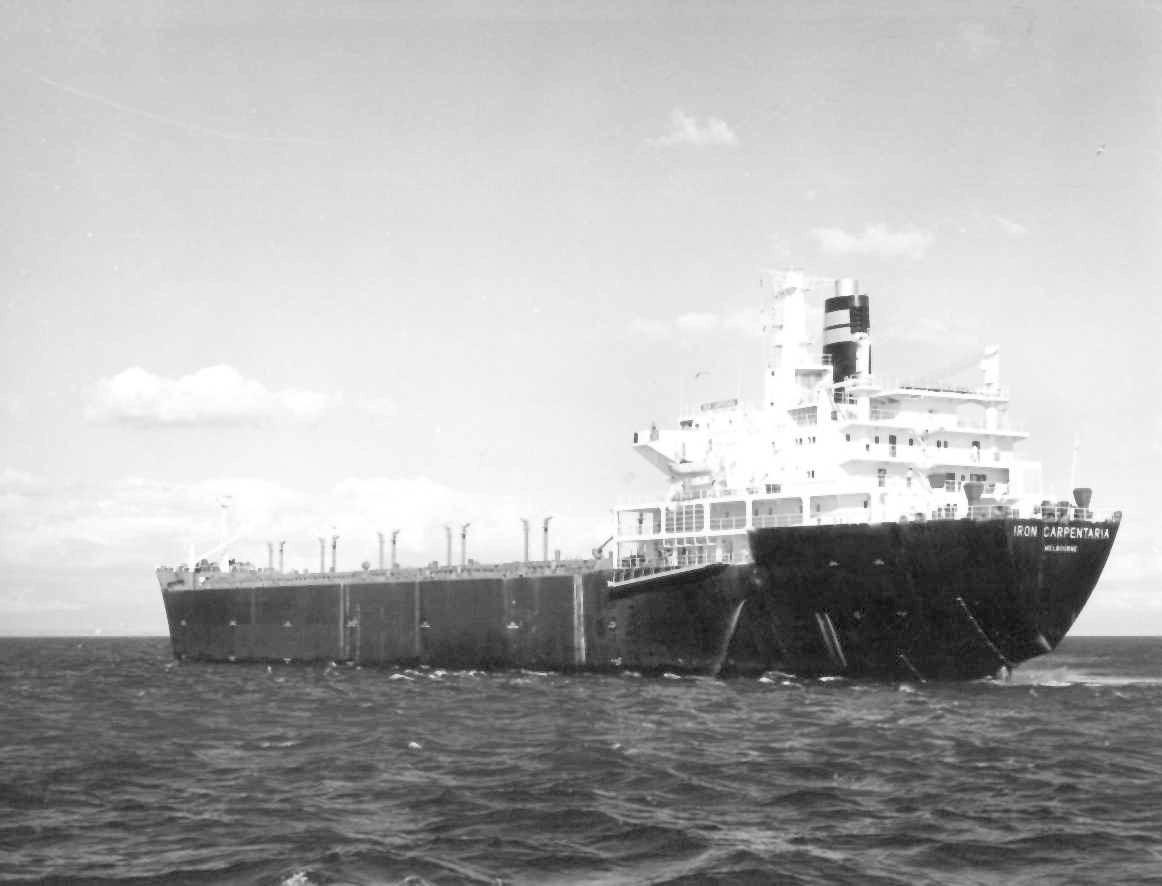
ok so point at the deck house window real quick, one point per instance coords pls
(881, 476)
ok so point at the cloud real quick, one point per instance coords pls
(648, 327)
(1010, 227)
(741, 321)
(876, 240)
(12, 480)
(135, 523)
(746, 321)
(978, 40)
(932, 330)
(218, 395)
(698, 321)
(377, 407)
(24, 600)
(685, 129)
(17, 488)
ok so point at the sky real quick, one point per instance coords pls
(352, 267)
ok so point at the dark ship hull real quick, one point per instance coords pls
(950, 599)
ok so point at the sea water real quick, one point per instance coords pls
(118, 764)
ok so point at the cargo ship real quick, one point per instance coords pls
(848, 525)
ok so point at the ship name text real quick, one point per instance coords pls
(1031, 530)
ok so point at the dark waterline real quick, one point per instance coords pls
(121, 765)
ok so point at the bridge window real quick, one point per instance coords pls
(881, 476)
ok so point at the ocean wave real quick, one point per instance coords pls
(124, 770)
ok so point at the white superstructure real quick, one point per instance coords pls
(832, 443)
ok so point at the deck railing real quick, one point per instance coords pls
(727, 522)
(764, 521)
(1067, 513)
(687, 561)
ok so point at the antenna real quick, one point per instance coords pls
(545, 527)
(464, 544)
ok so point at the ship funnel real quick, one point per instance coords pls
(394, 541)
(846, 326)
(545, 551)
(380, 536)
(972, 491)
(1082, 496)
